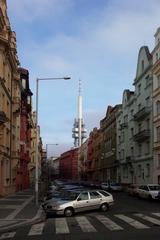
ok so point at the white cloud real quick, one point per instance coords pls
(30, 10)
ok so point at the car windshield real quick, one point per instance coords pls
(154, 188)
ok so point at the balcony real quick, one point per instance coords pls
(141, 114)
(123, 125)
(141, 136)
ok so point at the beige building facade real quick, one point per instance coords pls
(9, 104)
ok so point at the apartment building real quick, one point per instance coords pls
(108, 164)
(9, 104)
(125, 143)
(68, 164)
(156, 107)
(134, 126)
(22, 176)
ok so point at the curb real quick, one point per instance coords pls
(27, 222)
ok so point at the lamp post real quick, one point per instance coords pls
(37, 135)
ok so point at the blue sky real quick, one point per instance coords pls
(96, 41)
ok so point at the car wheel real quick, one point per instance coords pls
(104, 207)
(69, 212)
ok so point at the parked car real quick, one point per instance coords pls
(78, 201)
(105, 186)
(114, 186)
(132, 189)
(149, 191)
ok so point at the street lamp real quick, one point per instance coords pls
(37, 135)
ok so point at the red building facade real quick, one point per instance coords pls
(68, 164)
(22, 176)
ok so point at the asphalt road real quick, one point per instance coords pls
(130, 218)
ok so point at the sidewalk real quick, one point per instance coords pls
(19, 209)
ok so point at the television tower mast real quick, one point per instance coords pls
(79, 131)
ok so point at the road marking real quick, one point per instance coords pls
(149, 219)
(19, 208)
(8, 206)
(156, 214)
(13, 199)
(61, 226)
(85, 225)
(108, 223)
(131, 221)
(36, 229)
(7, 235)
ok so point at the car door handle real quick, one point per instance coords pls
(86, 201)
(100, 199)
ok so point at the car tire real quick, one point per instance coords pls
(68, 212)
(104, 207)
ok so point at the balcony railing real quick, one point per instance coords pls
(142, 113)
(141, 136)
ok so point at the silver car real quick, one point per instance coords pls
(78, 201)
(149, 191)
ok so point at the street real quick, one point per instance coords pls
(129, 218)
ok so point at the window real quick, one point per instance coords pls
(139, 107)
(158, 107)
(147, 124)
(139, 89)
(158, 161)
(94, 195)
(142, 65)
(147, 147)
(132, 132)
(139, 127)
(147, 101)
(147, 80)
(125, 118)
(83, 196)
(24, 83)
(132, 112)
(140, 149)
(103, 193)
(139, 170)
(122, 154)
(158, 134)
(132, 151)
(147, 170)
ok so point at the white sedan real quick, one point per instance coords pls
(149, 191)
(78, 201)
